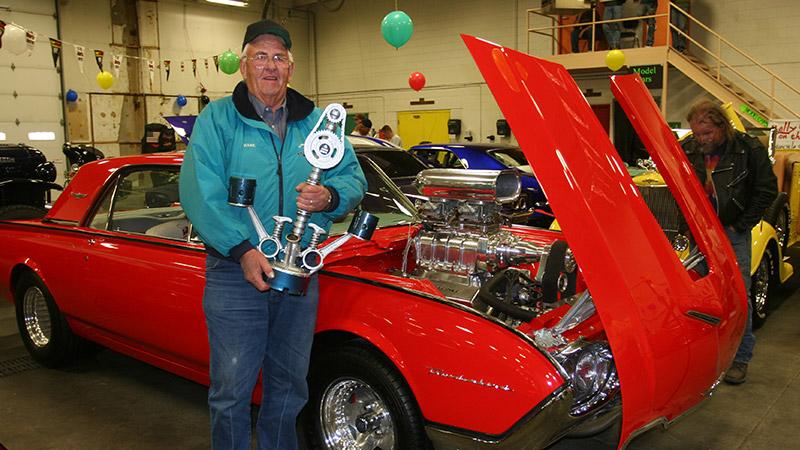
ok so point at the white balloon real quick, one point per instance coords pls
(14, 39)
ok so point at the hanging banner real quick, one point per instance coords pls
(116, 62)
(30, 41)
(3, 30)
(98, 57)
(151, 69)
(55, 48)
(80, 54)
(787, 134)
(216, 62)
(194, 67)
(167, 67)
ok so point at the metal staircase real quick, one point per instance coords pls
(715, 64)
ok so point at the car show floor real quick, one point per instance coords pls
(113, 401)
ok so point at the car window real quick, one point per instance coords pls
(396, 163)
(382, 198)
(144, 202)
(509, 157)
(440, 158)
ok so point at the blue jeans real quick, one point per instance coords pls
(649, 9)
(742, 248)
(681, 22)
(612, 30)
(250, 331)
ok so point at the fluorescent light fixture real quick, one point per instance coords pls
(2, 136)
(240, 3)
(41, 136)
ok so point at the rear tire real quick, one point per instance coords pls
(760, 287)
(359, 401)
(43, 329)
(14, 212)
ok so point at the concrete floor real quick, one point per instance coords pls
(114, 402)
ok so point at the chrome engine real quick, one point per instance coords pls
(464, 251)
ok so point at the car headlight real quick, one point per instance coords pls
(46, 171)
(593, 376)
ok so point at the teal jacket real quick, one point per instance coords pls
(229, 139)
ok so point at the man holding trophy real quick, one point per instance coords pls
(258, 135)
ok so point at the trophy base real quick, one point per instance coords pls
(288, 280)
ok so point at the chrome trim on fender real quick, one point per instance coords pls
(462, 378)
(544, 424)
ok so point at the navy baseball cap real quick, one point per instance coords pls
(266, 26)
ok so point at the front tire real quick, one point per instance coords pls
(359, 401)
(759, 289)
(43, 329)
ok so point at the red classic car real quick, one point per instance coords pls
(447, 328)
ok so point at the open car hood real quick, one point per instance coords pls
(672, 337)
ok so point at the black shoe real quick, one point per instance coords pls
(737, 373)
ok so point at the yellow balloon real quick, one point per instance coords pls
(615, 59)
(105, 79)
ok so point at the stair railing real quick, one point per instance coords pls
(721, 44)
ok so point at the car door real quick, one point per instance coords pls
(672, 333)
(145, 277)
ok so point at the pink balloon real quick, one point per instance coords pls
(416, 80)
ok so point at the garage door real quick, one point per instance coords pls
(30, 85)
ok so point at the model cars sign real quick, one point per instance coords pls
(787, 134)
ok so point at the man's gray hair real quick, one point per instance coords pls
(247, 46)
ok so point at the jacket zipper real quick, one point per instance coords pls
(279, 155)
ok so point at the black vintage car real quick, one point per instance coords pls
(26, 178)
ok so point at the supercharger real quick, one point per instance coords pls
(463, 246)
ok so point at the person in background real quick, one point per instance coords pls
(736, 172)
(386, 133)
(612, 10)
(581, 31)
(358, 118)
(649, 8)
(681, 22)
(363, 128)
(256, 134)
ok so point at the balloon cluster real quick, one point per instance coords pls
(397, 28)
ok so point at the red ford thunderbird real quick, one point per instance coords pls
(447, 328)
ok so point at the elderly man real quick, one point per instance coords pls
(258, 133)
(737, 174)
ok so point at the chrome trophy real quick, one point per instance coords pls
(293, 265)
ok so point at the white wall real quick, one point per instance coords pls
(341, 55)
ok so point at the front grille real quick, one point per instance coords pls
(665, 209)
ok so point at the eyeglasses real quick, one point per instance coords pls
(260, 60)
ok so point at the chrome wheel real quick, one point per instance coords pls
(36, 316)
(759, 290)
(353, 416)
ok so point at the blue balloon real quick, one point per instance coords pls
(397, 28)
(72, 96)
(181, 101)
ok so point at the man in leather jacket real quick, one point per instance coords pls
(736, 172)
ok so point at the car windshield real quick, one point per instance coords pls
(395, 163)
(511, 157)
(382, 199)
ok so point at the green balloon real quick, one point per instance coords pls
(229, 62)
(397, 28)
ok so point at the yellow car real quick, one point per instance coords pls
(767, 264)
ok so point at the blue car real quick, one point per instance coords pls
(491, 157)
